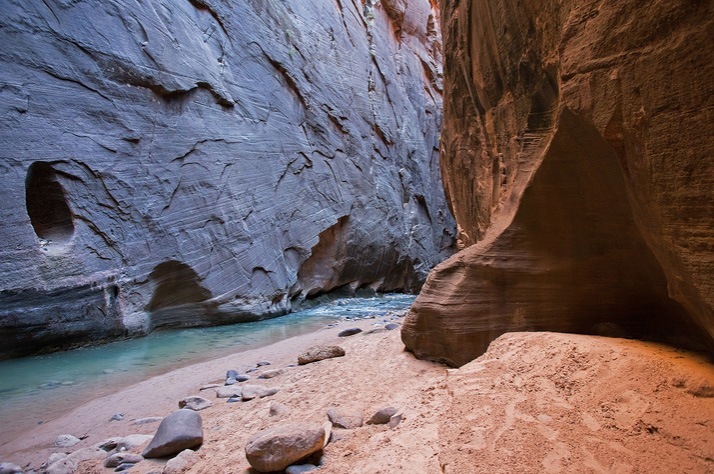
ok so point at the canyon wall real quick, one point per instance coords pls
(203, 162)
(578, 162)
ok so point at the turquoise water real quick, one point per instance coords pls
(36, 389)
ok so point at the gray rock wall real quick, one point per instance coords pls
(202, 162)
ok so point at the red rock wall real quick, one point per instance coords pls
(577, 157)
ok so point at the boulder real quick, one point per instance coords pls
(182, 429)
(344, 419)
(319, 353)
(569, 216)
(276, 448)
(194, 403)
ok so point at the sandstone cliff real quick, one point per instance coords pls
(577, 158)
(203, 162)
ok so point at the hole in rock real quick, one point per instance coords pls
(178, 295)
(46, 203)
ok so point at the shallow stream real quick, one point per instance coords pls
(36, 389)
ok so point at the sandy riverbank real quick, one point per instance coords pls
(534, 403)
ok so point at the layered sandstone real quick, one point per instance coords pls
(577, 158)
(202, 162)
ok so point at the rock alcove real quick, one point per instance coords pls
(47, 206)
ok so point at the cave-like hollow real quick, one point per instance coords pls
(46, 203)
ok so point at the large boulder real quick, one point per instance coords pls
(182, 429)
(206, 162)
(276, 448)
(577, 160)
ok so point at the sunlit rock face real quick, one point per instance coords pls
(578, 163)
(203, 162)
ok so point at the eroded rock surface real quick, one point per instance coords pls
(578, 163)
(204, 162)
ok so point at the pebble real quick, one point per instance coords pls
(382, 416)
(269, 374)
(278, 409)
(349, 332)
(228, 391)
(144, 421)
(315, 354)
(10, 468)
(117, 459)
(194, 403)
(234, 399)
(300, 468)
(257, 391)
(262, 363)
(391, 326)
(343, 419)
(117, 417)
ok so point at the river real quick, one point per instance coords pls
(39, 388)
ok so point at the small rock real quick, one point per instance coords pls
(232, 374)
(208, 386)
(227, 392)
(54, 457)
(66, 440)
(10, 468)
(124, 467)
(262, 363)
(269, 374)
(144, 421)
(68, 464)
(382, 416)
(234, 399)
(182, 429)
(230, 381)
(181, 463)
(107, 444)
(346, 420)
(257, 391)
(277, 448)
(300, 468)
(349, 332)
(391, 326)
(122, 458)
(117, 417)
(132, 441)
(319, 353)
(194, 403)
(278, 409)
(394, 420)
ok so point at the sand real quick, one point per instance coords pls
(535, 402)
